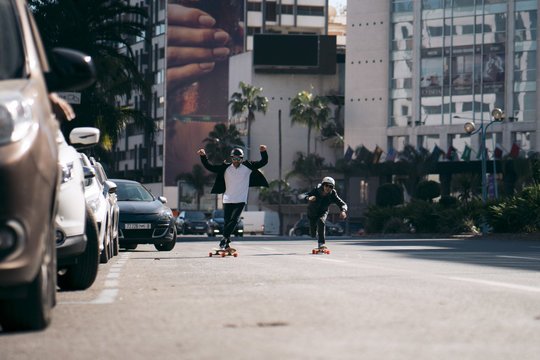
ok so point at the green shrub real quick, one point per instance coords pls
(395, 225)
(449, 202)
(519, 213)
(377, 216)
(389, 195)
(428, 190)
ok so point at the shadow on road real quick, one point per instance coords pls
(504, 252)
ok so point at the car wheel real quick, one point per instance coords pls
(130, 246)
(34, 311)
(116, 247)
(106, 253)
(167, 246)
(83, 274)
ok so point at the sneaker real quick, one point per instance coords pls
(322, 246)
(223, 244)
(227, 244)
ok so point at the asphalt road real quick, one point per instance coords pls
(449, 298)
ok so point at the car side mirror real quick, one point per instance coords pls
(163, 199)
(111, 187)
(89, 172)
(84, 137)
(71, 70)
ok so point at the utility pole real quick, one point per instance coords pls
(279, 171)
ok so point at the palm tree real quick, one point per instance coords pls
(197, 179)
(307, 168)
(309, 110)
(221, 141)
(249, 100)
(99, 28)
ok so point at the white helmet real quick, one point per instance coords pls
(329, 180)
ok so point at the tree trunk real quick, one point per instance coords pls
(308, 140)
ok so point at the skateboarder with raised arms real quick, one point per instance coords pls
(320, 199)
(233, 180)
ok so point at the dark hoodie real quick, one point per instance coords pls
(322, 203)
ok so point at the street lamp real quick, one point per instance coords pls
(470, 128)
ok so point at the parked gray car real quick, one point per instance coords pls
(29, 168)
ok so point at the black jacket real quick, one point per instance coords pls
(322, 203)
(255, 179)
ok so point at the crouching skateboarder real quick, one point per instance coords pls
(233, 180)
(320, 200)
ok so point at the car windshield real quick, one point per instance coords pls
(132, 192)
(12, 63)
(195, 215)
(218, 214)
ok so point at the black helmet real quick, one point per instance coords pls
(237, 152)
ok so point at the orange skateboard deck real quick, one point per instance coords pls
(320, 250)
(223, 252)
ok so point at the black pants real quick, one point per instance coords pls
(317, 227)
(231, 214)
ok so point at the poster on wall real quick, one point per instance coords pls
(201, 36)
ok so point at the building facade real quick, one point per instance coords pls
(418, 70)
(138, 154)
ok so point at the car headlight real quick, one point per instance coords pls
(67, 172)
(15, 117)
(94, 205)
(165, 214)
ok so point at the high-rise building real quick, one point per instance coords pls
(418, 70)
(138, 155)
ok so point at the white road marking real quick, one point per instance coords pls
(107, 296)
(111, 283)
(320, 257)
(497, 283)
(518, 257)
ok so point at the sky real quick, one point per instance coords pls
(338, 3)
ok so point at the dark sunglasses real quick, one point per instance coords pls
(236, 159)
(328, 185)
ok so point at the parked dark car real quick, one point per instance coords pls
(29, 168)
(216, 224)
(301, 227)
(143, 218)
(355, 228)
(191, 222)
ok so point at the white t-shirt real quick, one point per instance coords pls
(236, 184)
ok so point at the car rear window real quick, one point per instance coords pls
(12, 55)
(195, 215)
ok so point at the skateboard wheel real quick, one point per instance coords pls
(235, 255)
(328, 252)
(222, 254)
(210, 254)
(313, 251)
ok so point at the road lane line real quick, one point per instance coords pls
(329, 260)
(496, 283)
(107, 296)
(518, 257)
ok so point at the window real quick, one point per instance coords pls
(254, 6)
(310, 10)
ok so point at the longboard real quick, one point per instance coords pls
(319, 250)
(223, 252)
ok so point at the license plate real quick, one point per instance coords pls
(200, 227)
(137, 226)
